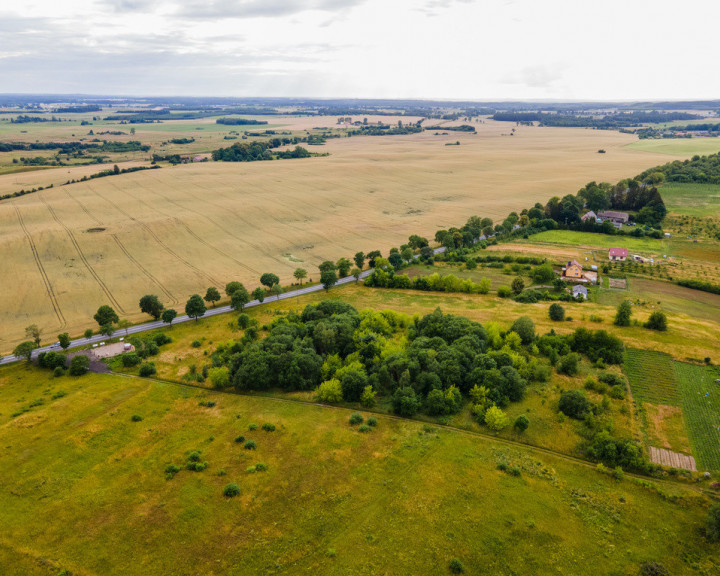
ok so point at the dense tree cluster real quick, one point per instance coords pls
(605, 122)
(701, 169)
(257, 151)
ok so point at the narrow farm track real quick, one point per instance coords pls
(84, 208)
(472, 433)
(84, 260)
(160, 243)
(43, 273)
(144, 270)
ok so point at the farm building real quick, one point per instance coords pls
(618, 254)
(579, 290)
(614, 217)
(589, 216)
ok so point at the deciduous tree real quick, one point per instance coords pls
(64, 340)
(269, 279)
(328, 279)
(150, 304)
(105, 315)
(622, 316)
(359, 259)
(34, 333)
(24, 350)
(169, 315)
(300, 274)
(212, 295)
(195, 307)
(258, 294)
(239, 298)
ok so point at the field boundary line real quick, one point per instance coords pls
(41, 268)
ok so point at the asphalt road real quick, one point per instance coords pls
(184, 318)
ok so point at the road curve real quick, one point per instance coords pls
(184, 318)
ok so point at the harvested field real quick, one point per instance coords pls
(672, 459)
(176, 231)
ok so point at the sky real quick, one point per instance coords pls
(424, 49)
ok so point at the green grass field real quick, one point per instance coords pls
(678, 146)
(652, 378)
(645, 245)
(692, 199)
(333, 500)
(700, 396)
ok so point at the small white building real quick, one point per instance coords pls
(579, 289)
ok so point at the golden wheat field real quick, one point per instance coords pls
(178, 230)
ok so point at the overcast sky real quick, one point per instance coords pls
(449, 49)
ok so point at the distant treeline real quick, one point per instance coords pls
(73, 147)
(461, 128)
(700, 169)
(700, 285)
(385, 130)
(78, 109)
(256, 151)
(239, 121)
(609, 121)
(25, 119)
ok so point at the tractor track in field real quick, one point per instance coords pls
(84, 209)
(475, 434)
(43, 273)
(161, 243)
(90, 269)
(144, 270)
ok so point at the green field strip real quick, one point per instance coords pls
(700, 400)
(652, 377)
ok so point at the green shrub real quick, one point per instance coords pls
(268, 427)
(502, 466)
(79, 365)
(364, 428)
(136, 418)
(504, 291)
(456, 567)
(569, 364)
(657, 321)
(196, 466)
(171, 470)
(521, 423)
(372, 421)
(515, 471)
(556, 312)
(58, 371)
(356, 419)
(243, 321)
(618, 392)
(653, 569)
(207, 403)
(330, 391)
(573, 403)
(260, 467)
(147, 369)
(250, 470)
(252, 426)
(231, 490)
(595, 318)
(250, 445)
(194, 456)
(59, 394)
(239, 439)
(712, 524)
(196, 344)
(130, 360)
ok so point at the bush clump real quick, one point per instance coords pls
(372, 421)
(136, 418)
(147, 369)
(268, 427)
(252, 426)
(250, 445)
(196, 344)
(171, 470)
(356, 418)
(231, 490)
(58, 371)
(556, 312)
(364, 428)
(261, 467)
(79, 365)
(130, 360)
(574, 404)
(239, 439)
(456, 567)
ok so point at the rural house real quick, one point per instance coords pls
(574, 272)
(579, 290)
(614, 217)
(589, 216)
(618, 254)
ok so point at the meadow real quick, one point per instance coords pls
(177, 230)
(692, 199)
(92, 453)
(588, 239)
(677, 146)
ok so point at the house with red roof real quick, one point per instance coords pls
(618, 254)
